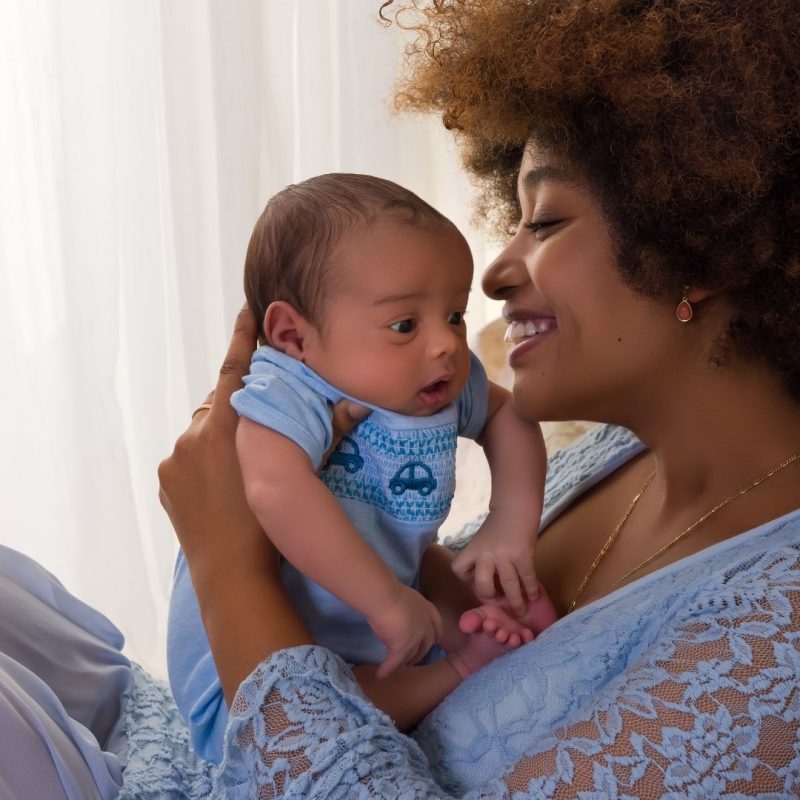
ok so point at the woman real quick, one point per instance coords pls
(652, 149)
(649, 154)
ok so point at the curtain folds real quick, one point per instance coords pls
(138, 143)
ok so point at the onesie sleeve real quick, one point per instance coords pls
(193, 676)
(473, 402)
(283, 401)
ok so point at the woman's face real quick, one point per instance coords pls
(582, 344)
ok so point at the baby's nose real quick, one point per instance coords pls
(445, 341)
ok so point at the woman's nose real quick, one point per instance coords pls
(506, 273)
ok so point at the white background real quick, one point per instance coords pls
(139, 141)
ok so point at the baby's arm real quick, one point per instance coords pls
(473, 635)
(502, 549)
(311, 530)
(412, 692)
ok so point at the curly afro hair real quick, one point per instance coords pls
(682, 115)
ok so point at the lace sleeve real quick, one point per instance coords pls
(712, 710)
(301, 728)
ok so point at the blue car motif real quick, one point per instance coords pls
(346, 455)
(415, 476)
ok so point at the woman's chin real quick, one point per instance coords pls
(529, 401)
(536, 401)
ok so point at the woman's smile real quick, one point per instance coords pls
(525, 333)
(519, 329)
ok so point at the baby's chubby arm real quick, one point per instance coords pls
(503, 547)
(309, 527)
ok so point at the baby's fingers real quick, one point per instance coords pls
(511, 586)
(485, 570)
(527, 576)
(463, 565)
(399, 657)
(394, 658)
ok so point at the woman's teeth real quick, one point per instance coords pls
(520, 329)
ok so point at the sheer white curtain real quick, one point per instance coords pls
(139, 141)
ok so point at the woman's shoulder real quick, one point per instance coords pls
(584, 463)
(714, 580)
(754, 575)
(571, 471)
(743, 594)
(760, 562)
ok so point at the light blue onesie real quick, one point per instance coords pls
(394, 475)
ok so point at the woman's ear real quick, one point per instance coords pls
(287, 329)
(696, 294)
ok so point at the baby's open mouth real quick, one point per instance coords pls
(433, 393)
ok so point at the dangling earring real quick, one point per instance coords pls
(684, 312)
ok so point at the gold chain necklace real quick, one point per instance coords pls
(615, 533)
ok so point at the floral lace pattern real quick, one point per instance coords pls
(161, 762)
(683, 684)
(326, 741)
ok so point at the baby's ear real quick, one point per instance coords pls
(286, 329)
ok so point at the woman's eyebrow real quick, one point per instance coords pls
(538, 175)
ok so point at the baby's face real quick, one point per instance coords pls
(393, 331)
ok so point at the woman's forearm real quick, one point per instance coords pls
(246, 613)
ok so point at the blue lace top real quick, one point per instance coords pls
(685, 683)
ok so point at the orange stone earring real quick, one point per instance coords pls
(684, 312)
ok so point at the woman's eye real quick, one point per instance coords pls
(456, 318)
(404, 326)
(537, 226)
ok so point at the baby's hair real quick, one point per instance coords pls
(289, 255)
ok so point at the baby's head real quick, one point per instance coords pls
(367, 284)
(292, 251)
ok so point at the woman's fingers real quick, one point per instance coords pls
(346, 415)
(200, 481)
(201, 410)
(235, 366)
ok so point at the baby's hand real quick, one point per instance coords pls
(501, 552)
(408, 627)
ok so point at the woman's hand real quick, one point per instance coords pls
(233, 565)
(200, 482)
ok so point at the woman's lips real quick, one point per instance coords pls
(526, 334)
(521, 329)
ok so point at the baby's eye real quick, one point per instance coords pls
(456, 318)
(404, 326)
